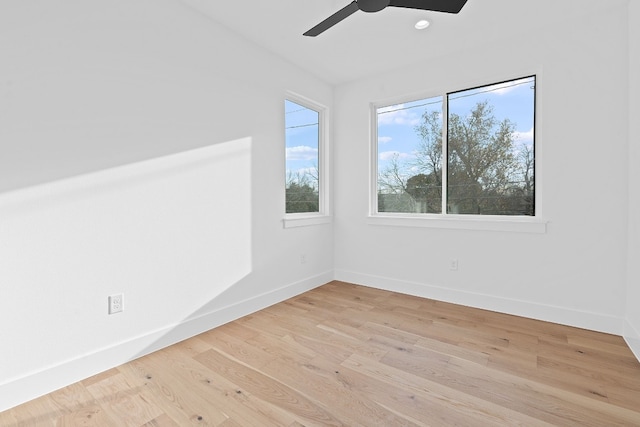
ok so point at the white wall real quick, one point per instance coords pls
(572, 274)
(141, 152)
(180, 102)
(632, 326)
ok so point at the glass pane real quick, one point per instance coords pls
(302, 139)
(410, 157)
(490, 143)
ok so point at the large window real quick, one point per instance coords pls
(303, 140)
(466, 152)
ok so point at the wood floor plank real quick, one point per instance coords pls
(124, 402)
(449, 406)
(73, 397)
(348, 355)
(179, 386)
(85, 416)
(453, 350)
(38, 412)
(238, 348)
(612, 366)
(546, 402)
(162, 421)
(79, 406)
(332, 388)
(266, 388)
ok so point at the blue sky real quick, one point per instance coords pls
(396, 123)
(301, 132)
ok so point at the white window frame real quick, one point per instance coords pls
(323, 216)
(444, 220)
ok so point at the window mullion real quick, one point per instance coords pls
(445, 152)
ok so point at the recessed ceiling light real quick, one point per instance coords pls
(422, 24)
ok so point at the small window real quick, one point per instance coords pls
(303, 134)
(467, 152)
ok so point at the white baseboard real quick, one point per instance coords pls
(36, 384)
(632, 337)
(562, 315)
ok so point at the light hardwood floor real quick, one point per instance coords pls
(349, 355)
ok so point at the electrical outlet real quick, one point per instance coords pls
(116, 303)
(453, 264)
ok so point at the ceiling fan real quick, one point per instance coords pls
(449, 6)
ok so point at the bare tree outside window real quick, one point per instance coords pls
(490, 163)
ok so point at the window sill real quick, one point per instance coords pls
(463, 222)
(305, 220)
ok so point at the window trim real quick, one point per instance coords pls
(323, 216)
(524, 224)
(511, 223)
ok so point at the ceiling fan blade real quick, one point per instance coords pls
(449, 6)
(333, 19)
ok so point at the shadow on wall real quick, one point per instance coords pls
(172, 234)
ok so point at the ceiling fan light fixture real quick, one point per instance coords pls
(448, 6)
(422, 24)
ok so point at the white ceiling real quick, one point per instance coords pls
(370, 43)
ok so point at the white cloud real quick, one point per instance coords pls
(526, 137)
(397, 115)
(388, 155)
(384, 139)
(506, 87)
(302, 152)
